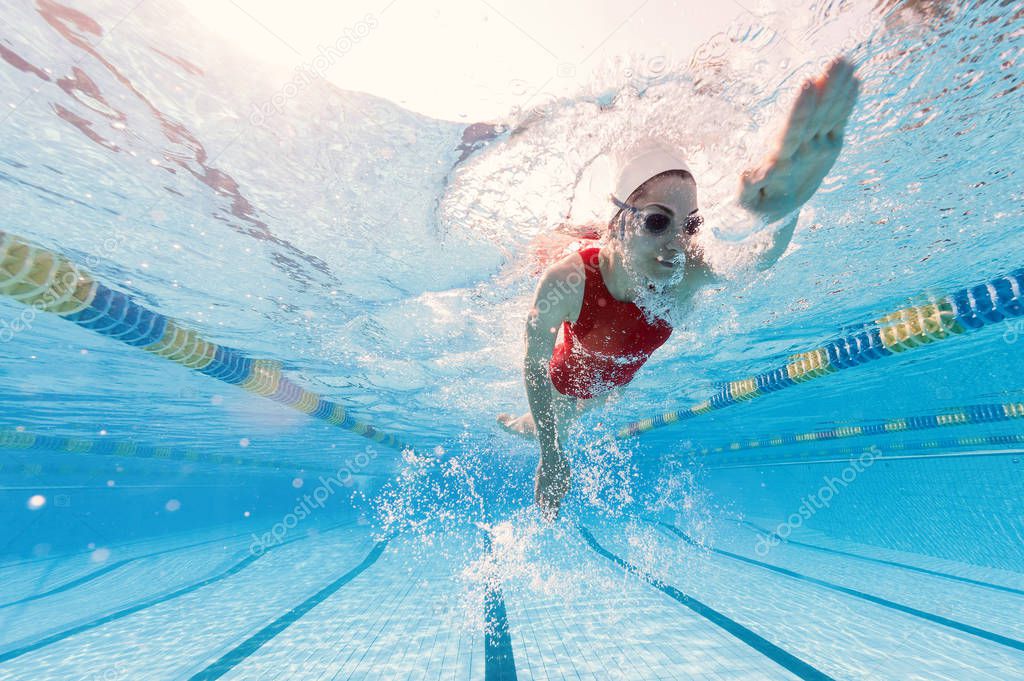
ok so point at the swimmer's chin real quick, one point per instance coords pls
(666, 278)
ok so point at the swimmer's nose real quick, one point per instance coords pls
(677, 245)
(682, 240)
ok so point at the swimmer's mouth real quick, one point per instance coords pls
(666, 263)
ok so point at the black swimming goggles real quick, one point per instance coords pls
(656, 221)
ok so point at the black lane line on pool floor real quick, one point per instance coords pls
(243, 650)
(122, 545)
(113, 566)
(762, 645)
(499, 661)
(131, 610)
(73, 583)
(877, 600)
(882, 561)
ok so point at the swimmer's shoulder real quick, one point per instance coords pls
(568, 269)
(562, 284)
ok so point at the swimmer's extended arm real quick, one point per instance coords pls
(541, 330)
(807, 149)
(556, 301)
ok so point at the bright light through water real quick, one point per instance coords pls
(467, 59)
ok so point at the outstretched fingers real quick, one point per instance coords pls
(822, 108)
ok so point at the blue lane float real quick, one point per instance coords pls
(972, 414)
(49, 282)
(904, 330)
(77, 448)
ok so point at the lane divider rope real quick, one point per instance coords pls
(848, 454)
(22, 440)
(904, 330)
(955, 416)
(49, 282)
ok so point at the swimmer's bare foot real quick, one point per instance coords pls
(519, 425)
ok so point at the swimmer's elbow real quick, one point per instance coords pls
(539, 348)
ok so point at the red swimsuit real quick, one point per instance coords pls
(607, 344)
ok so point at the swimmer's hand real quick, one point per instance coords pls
(808, 146)
(551, 485)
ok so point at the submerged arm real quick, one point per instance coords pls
(541, 330)
(700, 273)
(557, 300)
(780, 242)
(806, 151)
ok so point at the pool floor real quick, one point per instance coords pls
(603, 600)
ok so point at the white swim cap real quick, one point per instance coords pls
(642, 162)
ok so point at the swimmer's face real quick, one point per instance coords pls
(660, 255)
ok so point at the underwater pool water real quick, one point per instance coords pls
(255, 331)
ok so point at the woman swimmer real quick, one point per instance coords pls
(592, 295)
